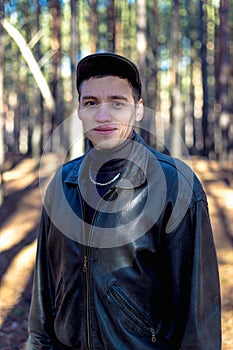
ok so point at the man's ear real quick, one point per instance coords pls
(139, 110)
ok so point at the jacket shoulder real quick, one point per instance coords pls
(179, 174)
(70, 170)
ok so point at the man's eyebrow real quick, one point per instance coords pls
(111, 97)
(118, 97)
(88, 97)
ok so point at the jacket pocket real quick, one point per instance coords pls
(133, 312)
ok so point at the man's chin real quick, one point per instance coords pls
(108, 144)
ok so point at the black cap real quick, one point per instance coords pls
(108, 64)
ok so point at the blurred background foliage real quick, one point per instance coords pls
(184, 51)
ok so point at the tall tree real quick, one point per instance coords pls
(2, 156)
(152, 54)
(93, 20)
(32, 63)
(177, 114)
(141, 36)
(111, 15)
(142, 30)
(141, 51)
(223, 70)
(55, 10)
(204, 65)
(73, 46)
(76, 132)
(38, 110)
(192, 35)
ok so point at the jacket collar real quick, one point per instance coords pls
(134, 174)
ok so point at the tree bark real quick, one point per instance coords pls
(111, 26)
(74, 47)
(222, 84)
(38, 117)
(204, 68)
(141, 51)
(76, 138)
(2, 152)
(55, 10)
(93, 25)
(177, 113)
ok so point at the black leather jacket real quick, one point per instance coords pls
(142, 275)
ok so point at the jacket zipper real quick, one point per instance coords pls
(85, 267)
(146, 325)
(85, 270)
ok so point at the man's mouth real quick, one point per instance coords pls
(105, 129)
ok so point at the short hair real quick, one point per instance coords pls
(135, 91)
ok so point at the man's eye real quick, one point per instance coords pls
(117, 104)
(90, 103)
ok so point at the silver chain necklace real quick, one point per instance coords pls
(103, 183)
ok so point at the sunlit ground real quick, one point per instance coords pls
(21, 186)
(15, 280)
(219, 187)
(23, 214)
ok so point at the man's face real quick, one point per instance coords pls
(108, 111)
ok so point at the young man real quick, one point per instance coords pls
(125, 258)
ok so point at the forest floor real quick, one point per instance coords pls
(19, 218)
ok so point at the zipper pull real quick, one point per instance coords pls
(153, 336)
(85, 264)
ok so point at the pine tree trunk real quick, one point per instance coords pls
(222, 82)
(93, 25)
(37, 132)
(177, 117)
(76, 138)
(55, 10)
(111, 26)
(204, 67)
(2, 155)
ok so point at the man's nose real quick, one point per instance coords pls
(103, 113)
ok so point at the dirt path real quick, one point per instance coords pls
(18, 229)
(24, 185)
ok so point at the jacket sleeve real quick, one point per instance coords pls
(203, 326)
(194, 282)
(42, 311)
